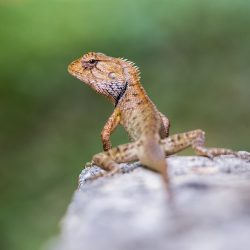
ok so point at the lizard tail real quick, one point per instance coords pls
(152, 156)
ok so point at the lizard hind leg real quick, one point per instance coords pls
(196, 139)
(109, 160)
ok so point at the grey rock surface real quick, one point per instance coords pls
(130, 211)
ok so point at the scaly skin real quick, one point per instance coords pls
(119, 81)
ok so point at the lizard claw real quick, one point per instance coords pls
(113, 172)
(89, 164)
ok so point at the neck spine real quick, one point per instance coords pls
(131, 73)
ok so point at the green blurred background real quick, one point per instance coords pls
(195, 61)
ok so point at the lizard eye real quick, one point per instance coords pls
(92, 61)
(89, 64)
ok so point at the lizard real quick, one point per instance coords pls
(119, 81)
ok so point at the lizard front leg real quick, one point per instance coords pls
(109, 160)
(108, 129)
(196, 139)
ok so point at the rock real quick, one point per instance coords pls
(130, 211)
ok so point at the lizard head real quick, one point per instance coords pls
(107, 75)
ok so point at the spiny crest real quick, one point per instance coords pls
(132, 64)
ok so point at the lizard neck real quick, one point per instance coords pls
(132, 84)
(121, 94)
(132, 94)
(136, 87)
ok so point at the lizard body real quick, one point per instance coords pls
(119, 80)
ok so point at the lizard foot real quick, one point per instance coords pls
(244, 155)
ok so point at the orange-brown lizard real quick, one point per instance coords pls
(119, 81)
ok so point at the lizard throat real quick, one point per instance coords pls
(117, 98)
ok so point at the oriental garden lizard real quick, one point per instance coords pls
(119, 81)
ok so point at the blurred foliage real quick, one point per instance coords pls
(194, 58)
